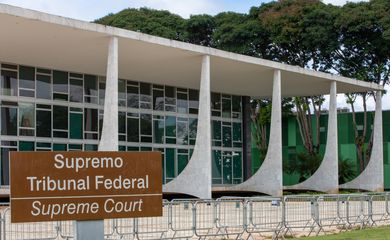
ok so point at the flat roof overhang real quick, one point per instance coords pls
(38, 39)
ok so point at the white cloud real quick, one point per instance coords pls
(341, 2)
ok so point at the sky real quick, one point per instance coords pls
(90, 10)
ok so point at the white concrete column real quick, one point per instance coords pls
(109, 139)
(268, 179)
(372, 179)
(195, 179)
(325, 179)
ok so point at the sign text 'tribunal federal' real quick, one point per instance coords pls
(50, 186)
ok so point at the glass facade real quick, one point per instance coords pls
(44, 109)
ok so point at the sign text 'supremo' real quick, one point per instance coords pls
(48, 186)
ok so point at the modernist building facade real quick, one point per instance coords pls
(72, 85)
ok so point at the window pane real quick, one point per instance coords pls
(236, 131)
(43, 124)
(182, 161)
(146, 124)
(216, 101)
(26, 146)
(170, 126)
(60, 147)
(9, 121)
(121, 92)
(236, 103)
(182, 133)
(216, 164)
(26, 77)
(26, 119)
(132, 129)
(216, 134)
(237, 165)
(227, 136)
(227, 169)
(9, 83)
(226, 108)
(170, 163)
(193, 101)
(60, 117)
(91, 120)
(5, 165)
(182, 103)
(192, 125)
(132, 97)
(60, 82)
(145, 95)
(76, 90)
(122, 122)
(90, 85)
(76, 126)
(158, 100)
(43, 87)
(158, 131)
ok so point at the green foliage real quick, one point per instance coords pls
(145, 20)
(199, 30)
(305, 165)
(346, 170)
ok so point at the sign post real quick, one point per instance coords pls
(53, 186)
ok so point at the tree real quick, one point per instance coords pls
(302, 34)
(150, 21)
(364, 54)
(200, 29)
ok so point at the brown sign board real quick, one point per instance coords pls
(51, 186)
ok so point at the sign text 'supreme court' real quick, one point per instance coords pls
(50, 186)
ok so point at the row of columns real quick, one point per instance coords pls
(195, 179)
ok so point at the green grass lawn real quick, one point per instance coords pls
(371, 234)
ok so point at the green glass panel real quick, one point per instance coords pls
(170, 126)
(170, 163)
(43, 145)
(216, 164)
(60, 147)
(136, 149)
(236, 131)
(182, 161)
(91, 119)
(216, 130)
(158, 131)
(226, 108)
(182, 133)
(227, 170)
(74, 147)
(237, 165)
(90, 147)
(76, 126)
(26, 146)
(227, 136)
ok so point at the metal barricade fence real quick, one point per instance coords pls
(182, 218)
(378, 208)
(265, 214)
(358, 210)
(332, 210)
(227, 217)
(231, 216)
(300, 212)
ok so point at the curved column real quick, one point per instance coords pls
(195, 179)
(371, 179)
(325, 179)
(268, 179)
(109, 138)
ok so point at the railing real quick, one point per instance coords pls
(228, 217)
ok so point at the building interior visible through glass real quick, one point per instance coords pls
(57, 110)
